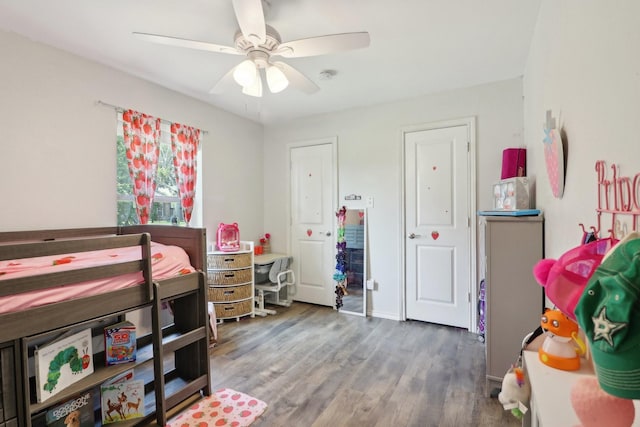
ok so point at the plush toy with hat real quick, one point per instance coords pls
(564, 279)
(609, 314)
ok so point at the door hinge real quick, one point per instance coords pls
(468, 146)
(468, 296)
(468, 221)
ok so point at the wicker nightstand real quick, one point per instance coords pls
(231, 284)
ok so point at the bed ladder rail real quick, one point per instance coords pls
(188, 339)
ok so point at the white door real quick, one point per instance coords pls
(437, 225)
(312, 185)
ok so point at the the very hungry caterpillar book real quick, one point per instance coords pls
(61, 363)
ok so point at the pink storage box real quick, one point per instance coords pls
(514, 163)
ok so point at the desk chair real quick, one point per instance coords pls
(280, 275)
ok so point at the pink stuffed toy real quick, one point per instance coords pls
(565, 279)
(596, 408)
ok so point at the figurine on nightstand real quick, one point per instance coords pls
(562, 347)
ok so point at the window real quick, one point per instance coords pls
(166, 201)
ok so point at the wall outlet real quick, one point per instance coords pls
(371, 284)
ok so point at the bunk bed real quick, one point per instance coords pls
(127, 284)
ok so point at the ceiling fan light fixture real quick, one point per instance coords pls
(255, 89)
(260, 43)
(246, 73)
(276, 80)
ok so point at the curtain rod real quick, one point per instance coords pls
(121, 109)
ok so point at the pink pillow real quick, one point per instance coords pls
(564, 279)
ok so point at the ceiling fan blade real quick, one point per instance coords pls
(250, 16)
(322, 45)
(296, 78)
(225, 82)
(192, 44)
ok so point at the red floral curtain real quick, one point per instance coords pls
(142, 141)
(184, 144)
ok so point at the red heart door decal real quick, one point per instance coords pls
(309, 232)
(435, 235)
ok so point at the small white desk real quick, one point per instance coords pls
(264, 259)
(282, 298)
(550, 404)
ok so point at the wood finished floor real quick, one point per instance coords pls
(316, 367)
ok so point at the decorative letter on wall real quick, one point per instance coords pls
(554, 156)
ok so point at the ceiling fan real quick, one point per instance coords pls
(260, 43)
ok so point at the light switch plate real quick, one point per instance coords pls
(369, 201)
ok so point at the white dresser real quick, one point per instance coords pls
(510, 247)
(550, 403)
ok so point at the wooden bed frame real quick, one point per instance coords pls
(28, 244)
(38, 320)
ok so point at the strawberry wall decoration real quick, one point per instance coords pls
(554, 156)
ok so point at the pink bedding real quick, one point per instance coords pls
(166, 261)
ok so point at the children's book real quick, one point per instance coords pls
(127, 375)
(76, 412)
(61, 363)
(120, 343)
(122, 401)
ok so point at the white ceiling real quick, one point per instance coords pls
(417, 46)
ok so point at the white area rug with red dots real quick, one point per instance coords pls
(225, 407)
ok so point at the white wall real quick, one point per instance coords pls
(583, 65)
(57, 162)
(57, 167)
(369, 164)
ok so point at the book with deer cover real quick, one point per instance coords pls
(61, 363)
(122, 401)
(76, 412)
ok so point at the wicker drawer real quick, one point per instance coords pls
(228, 260)
(229, 277)
(236, 309)
(229, 293)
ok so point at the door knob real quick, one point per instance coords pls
(413, 236)
(328, 233)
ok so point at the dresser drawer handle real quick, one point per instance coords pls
(229, 308)
(231, 292)
(230, 275)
